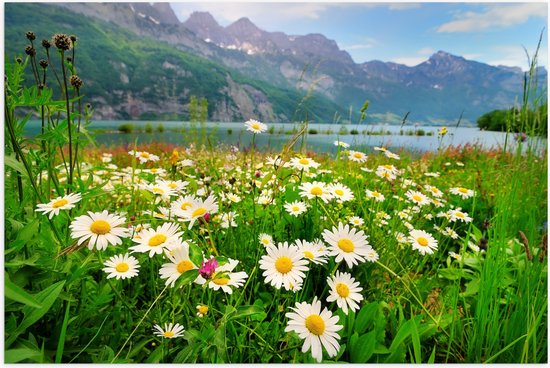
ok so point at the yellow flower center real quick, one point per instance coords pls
(389, 167)
(203, 309)
(346, 245)
(265, 241)
(184, 266)
(60, 203)
(295, 208)
(100, 227)
(304, 161)
(357, 155)
(157, 240)
(122, 267)
(463, 190)
(144, 155)
(172, 186)
(256, 126)
(220, 281)
(308, 254)
(459, 214)
(315, 324)
(422, 241)
(316, 191)
(168, 334)
(417, 198)
(158, 190)
(339, 192)
(375, 194)
(154, 171)
(185, 205)
(342, 290)
(283, 264)
(198, 212)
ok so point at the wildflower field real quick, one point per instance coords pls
(216, 254)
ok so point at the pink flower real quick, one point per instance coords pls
(207, 268)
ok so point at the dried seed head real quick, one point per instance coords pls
(73, 38)
(69, 59)
(29, 50)
(19, 60)
(46, 44)
(31, 36)
(62, 41)
(76, 82)
(43, 63)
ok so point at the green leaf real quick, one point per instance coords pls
(61, 341)
(11, 162)
(246, 311)
(186, 278)
(195, 254)
(362, 349)
(366, 315)
(416, 344)
(46, 297)
(431, 360)
(18, 355)
(14, 292)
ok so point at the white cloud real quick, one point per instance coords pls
(409, 61)
(403, 6)
(502, 15)
(516, 56)
(425, 51)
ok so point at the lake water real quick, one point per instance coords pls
(182, 133)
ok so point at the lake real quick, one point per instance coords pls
(182, 133)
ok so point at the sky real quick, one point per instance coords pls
(406, 33)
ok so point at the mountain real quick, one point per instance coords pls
(438, 90)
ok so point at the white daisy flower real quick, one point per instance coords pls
(144, 157)
(255, 126)
(345, 291)
(303, 163)
(181, 204)
(228, 220)
(202, 310)
(463, 192)
(223, 277)
(60, 203)
(378, 197)
(422, 241)
(340, 192)
(313, 251)
(315, 190)
(179, 264)
(341, 144)
(434, 190)
(122, 266)
(265, 239)
(417, 198)
(347, 244)
(100, 228)
(198, 209)
(317, 328)
(283, 265)
(392, 155)
(457, 214)
(295, 208)
(170, 330)
(357, 156)
(356, 221)
(155, 241)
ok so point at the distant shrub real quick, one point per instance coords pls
(160, 128)
(354, 132)
(420, 132)
(430, 133)
(148, 128)
(313, 131)
(271, 129)
(229, 131)
(343, 131)
(126, 128)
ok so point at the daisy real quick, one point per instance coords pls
(392, 155)
(417, 197)
(60, 203)
(283, 265)
(434, 191)
(383, 149)
(181, 204)
(199, 209)
(314, 190)
(313, 251)
(422, 241)
(372, 255)
(255, 126)
(378, 197)
(341, 144)
(386, 172)
(303, 163)
(295, 208)
(121, 267)
(345, 291)
(357, 156)
(202, 310)
(228, 220)
(459, 215)
(100, 228)
(347, 244)
(317, 329)
(144, 157)
(276, 162)
(356, 221)
(170, 330)
(175, 185)
(223, 277)
(155, 241)
(463, 192)
(179, 264)
(400, 237)
(265, 239)
(160, 189)
(340, 192)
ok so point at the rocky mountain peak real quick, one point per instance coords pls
(202, 19)
(166, 14)
(243, 28)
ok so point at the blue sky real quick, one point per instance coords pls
(407, 33)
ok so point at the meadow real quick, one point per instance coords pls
(209, 253)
